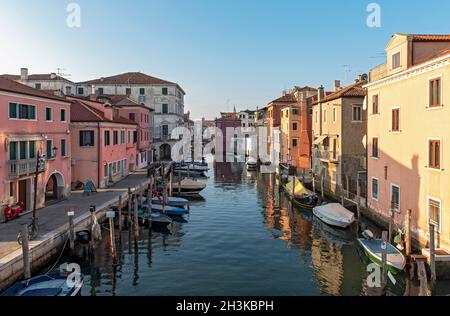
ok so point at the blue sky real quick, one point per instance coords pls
(224, 53)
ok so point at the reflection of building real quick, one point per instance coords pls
(339, 128)
(164, 97)
(33, 122)
(228, 172)
(408, 133)
(227, 123)
(103, 143)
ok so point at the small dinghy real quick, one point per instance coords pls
(155, 218)
(172, 201)
(168, 210)
(188, 187)
(52, 284)
(334, 214)
(395, 259)
(302, 197)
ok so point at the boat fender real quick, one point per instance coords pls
(368, 234)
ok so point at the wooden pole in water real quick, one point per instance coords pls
(129, 208)
(170, 183)
(384, 274)
(25, 252)
(358, 198)
(322, 192)
(179, 182)
(408, 233)
(347, 183)
(391, 224)
(314, 183)
(112, 236)
(432, 256)
(120, 215)
(293, 187)
(71, 214)
(135, 217)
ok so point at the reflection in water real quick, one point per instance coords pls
(243, 238)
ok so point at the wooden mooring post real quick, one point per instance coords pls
(25, 252)
(135, 216)
(120, 215)
(432, 257)
(130, 200)
(384, 273)
(314, 183)
(170, 183)
(391, 223)
(408, 233)
(112, 237)
(322, 191)
(358, 198)
(71, 215)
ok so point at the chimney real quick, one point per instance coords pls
(23, 73)
(52, 75)
(320, 93)
(337, 85)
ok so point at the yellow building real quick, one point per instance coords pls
(409, 134)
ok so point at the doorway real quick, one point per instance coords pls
(23, 193)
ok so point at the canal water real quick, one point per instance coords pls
(242, 238)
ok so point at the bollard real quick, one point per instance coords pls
(26, 252)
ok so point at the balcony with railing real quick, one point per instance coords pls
(326, 155)
(22, 168)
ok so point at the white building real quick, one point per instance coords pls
(248, 122)
(164, 97)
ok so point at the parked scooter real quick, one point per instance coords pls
(14, 211)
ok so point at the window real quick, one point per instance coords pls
(107, 138)
(37, 86)
(324, 116)
(63, 148)
(165, 108)
(434, 213)
(86, 138)
(132, 117)
(22, 150)
(434, 154)
(128, 91)
(396, 63)
(294, 126)
(165, 130)
(375, 189)
(294, 142)
(375, 153)
(63, 115)
(115, 137)
(68, 90)
(11, 189)
(294, 112)
(435, 92)
(105, 169)
(48, 114)
(22, 111)
(165, 91)
(129, 137)
(31, 149)
(334, 115)
(395, 197)
(80, 91)
(375, 106)
(100, 91)
(357, 113)
(396, 120)
(142, 91)
(135, 137)
(122, 137)
(49, 148)
(13, 151)
(13, 111)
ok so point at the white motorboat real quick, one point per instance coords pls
(251, 164)
(334, 214)
(187, 187)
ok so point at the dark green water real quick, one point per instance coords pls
(242, 238)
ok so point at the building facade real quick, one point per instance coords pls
(164, 97)
(228, 121)
(408, 132)
(104, 144)
(339, 129)
(34, 124)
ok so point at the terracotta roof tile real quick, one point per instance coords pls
(429, 37)
(13, 86)
(83, 112)
(354, 90)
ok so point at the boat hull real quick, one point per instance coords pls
(331, 221)
(393, 267)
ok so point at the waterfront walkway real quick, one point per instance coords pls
(53, 219)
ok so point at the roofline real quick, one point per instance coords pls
(49, 97)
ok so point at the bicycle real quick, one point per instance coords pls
(33, 231)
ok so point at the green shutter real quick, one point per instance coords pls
(13, 110)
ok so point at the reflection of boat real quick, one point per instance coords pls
(187, 165)
(188, 187)
(169, 210)
(395, 259)
(333, 235)
(172, 201)
(190, 173)
(52, 284)
(302, 197)
(251, 164)
(334, 214)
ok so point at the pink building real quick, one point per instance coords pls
(33, 123)
(103, 143)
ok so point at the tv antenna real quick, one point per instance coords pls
(60, 72)
(347, 71)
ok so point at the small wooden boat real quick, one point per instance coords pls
(155, 218)
(334, 214)
(52, 284)
(196, 166)
(395, 259)
(168, 210)
(188, 187)
(301, 196)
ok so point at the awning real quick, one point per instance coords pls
(320, 139)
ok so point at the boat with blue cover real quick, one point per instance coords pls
(51, 284)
